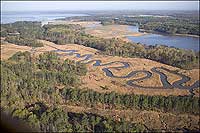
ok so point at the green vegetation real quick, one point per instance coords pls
(23, 28)
(23, 41)
(23, 33)
(25, 79)
(176, 104)
(63, 34)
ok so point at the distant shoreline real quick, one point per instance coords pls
(161, 33)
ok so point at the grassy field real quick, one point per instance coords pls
(109, 31)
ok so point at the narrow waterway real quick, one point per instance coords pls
(180, 84)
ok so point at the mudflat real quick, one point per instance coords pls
(112, 31)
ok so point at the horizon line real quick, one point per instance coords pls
(104, 10)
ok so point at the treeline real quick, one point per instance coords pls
(176, 104)
(63, 34)
(32, 42)
(23, 33)
(171, 27)
(41, 118)
(30, 29)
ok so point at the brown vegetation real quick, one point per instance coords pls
(112, 31)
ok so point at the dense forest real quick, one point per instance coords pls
(168, 25)
(22, 33)
(23, 41)
(63, 34)
(180, 104)
(30, 91)
(34, 90)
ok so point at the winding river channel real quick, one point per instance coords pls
(107, 70)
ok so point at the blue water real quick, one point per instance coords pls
(10, 17)
(184, 42)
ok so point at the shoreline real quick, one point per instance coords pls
(165, 34)
(189, 35)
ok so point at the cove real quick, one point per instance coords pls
(184, 42)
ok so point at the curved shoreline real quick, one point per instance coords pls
(161, 33)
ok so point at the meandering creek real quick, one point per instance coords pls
(87, 58)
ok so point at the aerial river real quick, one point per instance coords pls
(180, 84)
